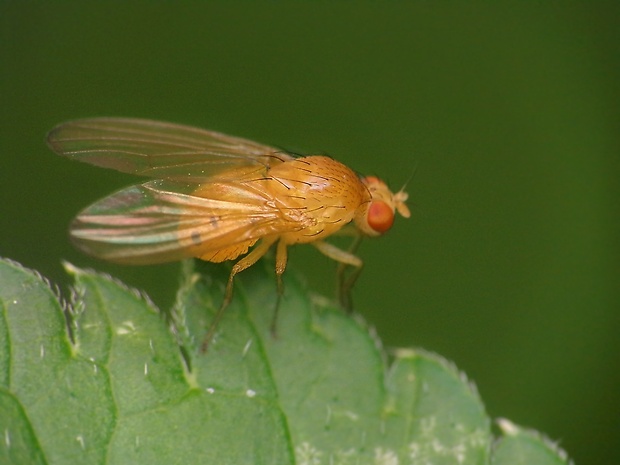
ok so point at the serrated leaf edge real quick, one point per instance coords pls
(508, 428)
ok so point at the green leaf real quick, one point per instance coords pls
(520, 446)
(124, 384)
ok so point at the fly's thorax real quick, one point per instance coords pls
(324, 191)
(377, 215)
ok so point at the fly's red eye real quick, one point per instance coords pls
(380, 216)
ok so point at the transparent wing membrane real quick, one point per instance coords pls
(160, 150)
(146, 224)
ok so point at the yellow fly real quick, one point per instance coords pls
(215, 196)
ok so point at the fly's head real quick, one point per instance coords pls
(377, 215)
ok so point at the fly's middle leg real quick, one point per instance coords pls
(281, 260)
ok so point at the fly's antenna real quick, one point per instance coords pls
(401, 196)
(409, 179)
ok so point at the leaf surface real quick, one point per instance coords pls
(121, 383)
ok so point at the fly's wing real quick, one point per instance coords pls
(160, 150)
(157, 222)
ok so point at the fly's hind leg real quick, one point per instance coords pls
(243, 264)
(344, 259)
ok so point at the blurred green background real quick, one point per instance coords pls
(510, 263)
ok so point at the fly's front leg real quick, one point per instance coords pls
(243, 264)
(345, 283)
(345, 259)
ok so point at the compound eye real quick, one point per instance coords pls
(380, 216)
